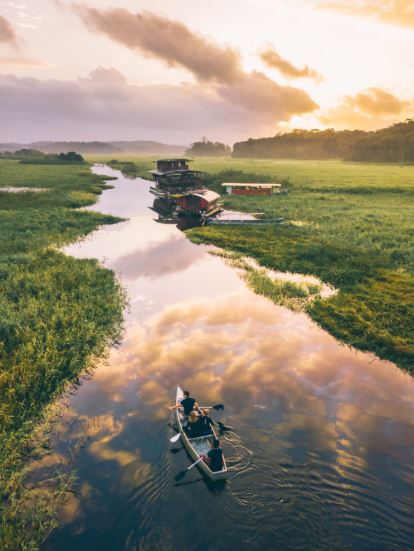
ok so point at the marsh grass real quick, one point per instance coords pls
(292, 294)
(356, 233)
(57, 314)
(295, 296)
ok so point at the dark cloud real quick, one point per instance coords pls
(285, 67)
(162, 38)
(106, 106)
(7, 33)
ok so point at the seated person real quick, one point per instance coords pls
(186, 403)
(206, 423)
(192, 428)
(215, 457)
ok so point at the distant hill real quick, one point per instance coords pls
(392, 144)
(143, 147)
(148, 147)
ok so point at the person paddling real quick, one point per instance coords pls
(192, 428)
(187, 403)
(214, 457)
(206, 423)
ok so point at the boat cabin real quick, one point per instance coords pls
(251, 188)
(172, 176)
(164, 165)
(201, 202)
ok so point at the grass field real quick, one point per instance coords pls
(56, 314)
(350, 224)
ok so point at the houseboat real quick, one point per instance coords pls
(200, 203)
(173, 177)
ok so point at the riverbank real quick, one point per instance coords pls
(57, 314)
(349, 224)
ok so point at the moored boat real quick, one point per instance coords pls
(199, 446)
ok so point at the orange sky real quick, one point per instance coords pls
(176, 71)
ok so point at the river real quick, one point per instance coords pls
(321, 451)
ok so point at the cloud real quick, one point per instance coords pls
(370, 109)
(375, 101)
(158, 259)
(21, 62)
(7, 33)
(398, 12)
(165, 39)
(256, 92)
(105, 106)
(275, 61)
(176, 45)
(212, 347)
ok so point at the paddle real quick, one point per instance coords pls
(182, 474)
(195, 462)
(175, 438)
(223, 427)
(217, 407)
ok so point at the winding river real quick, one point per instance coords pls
(322, 448)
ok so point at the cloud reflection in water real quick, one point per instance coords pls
(328, 427)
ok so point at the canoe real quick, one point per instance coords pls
(198, 446)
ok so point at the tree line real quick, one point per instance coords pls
(392, 144)
(32, 156)
(205, 148)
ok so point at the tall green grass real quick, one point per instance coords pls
(57, 313)
(350, 224)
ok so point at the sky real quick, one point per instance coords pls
(224, 69)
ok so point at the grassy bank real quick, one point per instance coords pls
(57, 313)
(350, 224)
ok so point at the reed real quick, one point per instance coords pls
(57, 314)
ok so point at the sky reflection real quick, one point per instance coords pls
(323, 442)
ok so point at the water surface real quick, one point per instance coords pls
(322, 447)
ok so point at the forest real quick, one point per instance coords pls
(33, 156)
(394, 144)
(206, 148)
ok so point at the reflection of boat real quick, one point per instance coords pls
(164, 206)
(167, 214)
(197, 447)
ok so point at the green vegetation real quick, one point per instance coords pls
(205, 148)
(295, 295)
(34, 157)
(57, 313)
(128, 168)
(394, 144)
(349, 224)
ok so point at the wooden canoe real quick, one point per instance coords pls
(198, 446)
